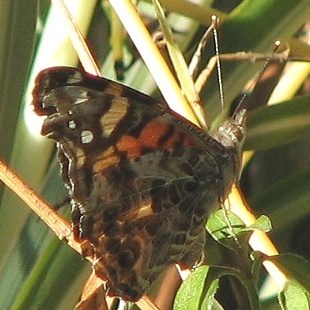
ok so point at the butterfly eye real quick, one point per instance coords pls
(86, 136)
(238, 133)
(232, 132)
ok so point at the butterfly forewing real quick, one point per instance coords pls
(142, 179)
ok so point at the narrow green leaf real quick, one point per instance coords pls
(278, 124)
(54, 272)
(176, 56)
(296, 268)
(17, 34)
(286, 201)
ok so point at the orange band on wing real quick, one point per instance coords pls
(150, 138)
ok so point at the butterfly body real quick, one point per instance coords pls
(142, 179)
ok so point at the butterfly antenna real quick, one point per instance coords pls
(260, 73)
(218, 62)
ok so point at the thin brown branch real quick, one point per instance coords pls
(93, 295)
(146, 304)
(168, 289)
(253, 57)
(240, 56)
(60, 226)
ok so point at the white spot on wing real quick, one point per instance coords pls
(72, 124)
(86, 136)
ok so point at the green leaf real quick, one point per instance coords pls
(263, 223)
(191, 291)
(198, 290)
(218, 224)
(278, 124)
(294, 297)
(17, 34)
(286, 201)
(186, 81)
(51, 273)
(295, 267)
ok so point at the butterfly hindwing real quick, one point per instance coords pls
(142, 178)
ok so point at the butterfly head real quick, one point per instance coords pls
(231, 133)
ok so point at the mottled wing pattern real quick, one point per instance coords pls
(142, 179)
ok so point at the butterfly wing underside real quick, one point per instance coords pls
(141, 178)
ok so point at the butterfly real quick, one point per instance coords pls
(142, 178)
